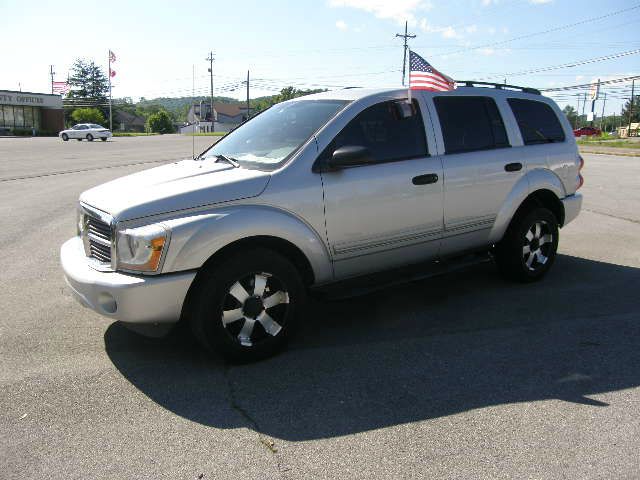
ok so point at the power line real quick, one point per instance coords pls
(572, 64)
(543, 32)
(588, 85)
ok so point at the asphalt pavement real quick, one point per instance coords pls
(461, 376)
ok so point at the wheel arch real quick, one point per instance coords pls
(202, 240)
(538, 188)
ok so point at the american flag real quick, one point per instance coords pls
(422, 76)
(60, 87)
(112, 56)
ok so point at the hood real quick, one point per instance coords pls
(177, 186)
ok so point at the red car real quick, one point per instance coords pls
(588, 131)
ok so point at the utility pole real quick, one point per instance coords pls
(604, 102)
(404, 55)
(52, 73)
(210, 59)
(247, 94)
(633, 85)
(575, 127)
(584, 103)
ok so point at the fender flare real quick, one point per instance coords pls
(194, 239)
(534, 180)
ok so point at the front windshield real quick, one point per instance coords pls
(271, 137)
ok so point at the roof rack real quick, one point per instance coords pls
(499, 86)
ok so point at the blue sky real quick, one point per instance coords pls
(328, 43)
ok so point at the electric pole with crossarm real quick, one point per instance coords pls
(210, 59)
(404, 55)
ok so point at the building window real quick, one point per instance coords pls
(8, 115)
(28, 117)
(18, 116)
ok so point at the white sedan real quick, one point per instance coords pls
(85, 130)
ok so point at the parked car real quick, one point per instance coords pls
(318, 192)
(587, 131)
(85, 130)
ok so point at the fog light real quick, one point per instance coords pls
(107, 302)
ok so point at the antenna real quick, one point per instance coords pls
(193, 99)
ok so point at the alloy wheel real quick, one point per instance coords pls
(255, 308)
(538, 242)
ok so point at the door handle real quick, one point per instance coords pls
(425, 179)
(513, 167)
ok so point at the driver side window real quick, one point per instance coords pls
(390, 130)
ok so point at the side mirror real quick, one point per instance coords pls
(349, 156)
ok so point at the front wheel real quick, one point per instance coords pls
(529, 246)
(65, 137)
(246, 308)
(104, 139)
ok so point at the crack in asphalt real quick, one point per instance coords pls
(263, 439)
(612, 216)
(80, 170)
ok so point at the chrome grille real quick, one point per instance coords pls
(99, 239)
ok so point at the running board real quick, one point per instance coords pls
(365, 284)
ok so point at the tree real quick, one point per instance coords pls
(160, 122)
(87, 115)
(88, 83)
(635, 114)
(571, 114)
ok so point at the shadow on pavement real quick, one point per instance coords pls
(418, 351)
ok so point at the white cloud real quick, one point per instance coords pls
(486, 51)
(491, 30)
(397, 10)
(446, 32)
(486, 3)
(471, 29)
(342, 25)
(540, 2)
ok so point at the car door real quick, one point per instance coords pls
(479, 169)
(389, 212)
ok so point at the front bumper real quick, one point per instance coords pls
(130, 298)
(572, 205)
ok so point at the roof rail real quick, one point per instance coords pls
(499, 86)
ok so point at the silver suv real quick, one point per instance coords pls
(321, 189)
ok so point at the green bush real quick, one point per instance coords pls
(160, 122)
(88, 115)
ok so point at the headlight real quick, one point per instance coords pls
(141, 248)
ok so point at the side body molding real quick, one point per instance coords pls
(536, 179)
(196, 237)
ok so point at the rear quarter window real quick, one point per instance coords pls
(537, 121)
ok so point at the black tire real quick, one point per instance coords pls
(212, 300)
(104, 139)
(526, 253)
(89, 137)
(65, 137)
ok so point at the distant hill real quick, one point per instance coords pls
(179, 106)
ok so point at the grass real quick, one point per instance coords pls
(207, 134)
(133, 134)
(610, 143)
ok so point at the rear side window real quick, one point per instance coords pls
(470, 123)
(537, 121)
(390, 130)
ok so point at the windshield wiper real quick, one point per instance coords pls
(230, 160)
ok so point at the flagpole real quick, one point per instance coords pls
(110, 116)
(409, 86)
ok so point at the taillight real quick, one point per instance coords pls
(580, 177)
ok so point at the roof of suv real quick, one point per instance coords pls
(352, 94)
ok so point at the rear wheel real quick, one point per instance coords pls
(529, 247)
(65, 137)
(246, 307)
(90, 137)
